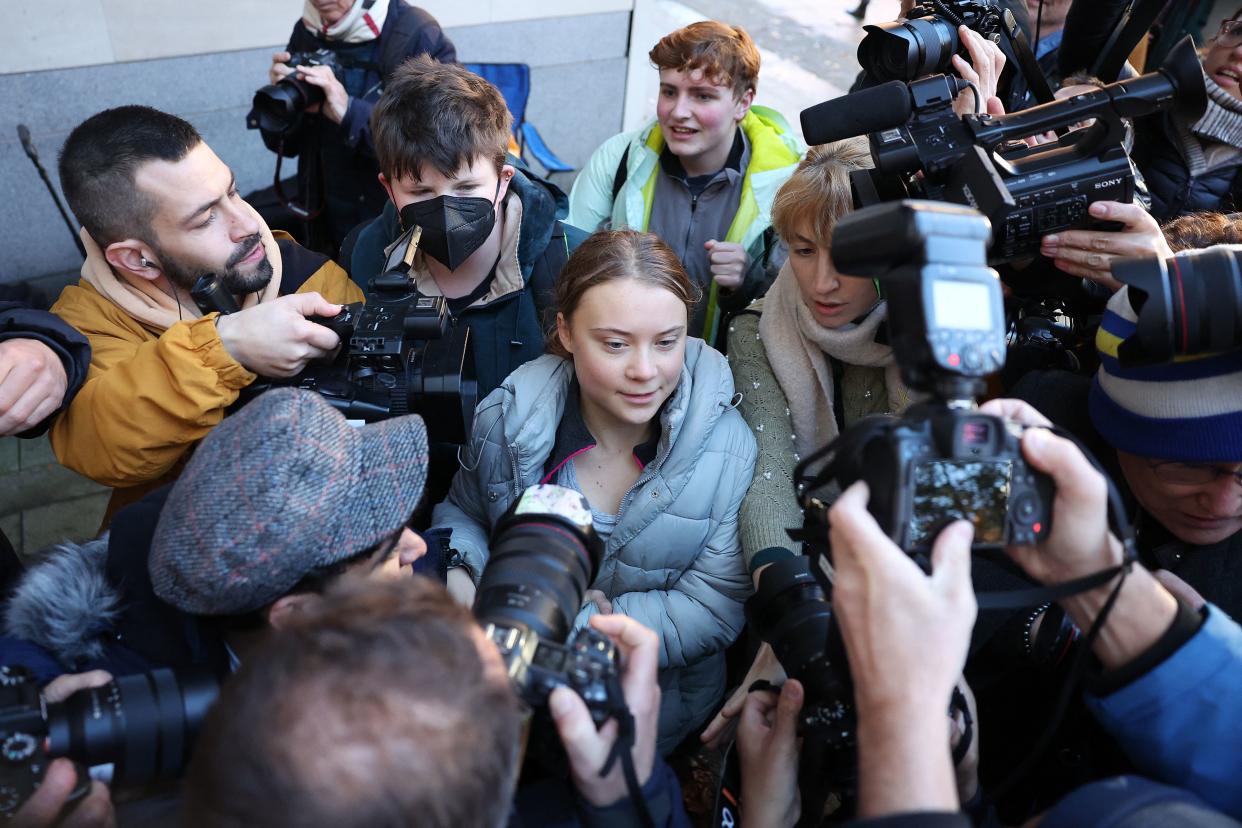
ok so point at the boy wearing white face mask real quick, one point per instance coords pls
(490, 243)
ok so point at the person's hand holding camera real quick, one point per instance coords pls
(1090, 253)
(765, 667)
(32, 384)
(906, 635)
(588, 749)
(335, 98)
(275, 339)
(983, 69)
(767, 745)
(1080, 545)
(280, 68)
(46, 806)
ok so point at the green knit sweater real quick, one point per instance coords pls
(770, 506)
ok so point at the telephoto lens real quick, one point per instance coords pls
(144, 724)
(1189, 304)
(909, 49)
(544, 555)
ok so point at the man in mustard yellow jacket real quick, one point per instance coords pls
(158, 210)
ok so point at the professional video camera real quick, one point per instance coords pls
(278, 107)
(1189, 304)
(143, 725)
(922, 149)
(544, 555)
(400, 354)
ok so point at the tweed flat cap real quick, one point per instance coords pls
(278, 489)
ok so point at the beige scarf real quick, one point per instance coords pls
(364, 21)
(158, 308)
(796, 346)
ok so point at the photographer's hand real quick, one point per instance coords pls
(45, 805)
(906, 635)
(767, 745)
(335, 98)
(275, 339)
(32, 384)
(1080, 545)
(43, 808)
(279, 68)
(765, 668)
(984, 69)
(587, 748)
(1090, 253)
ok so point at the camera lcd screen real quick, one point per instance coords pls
(962, 305)
(946, 490)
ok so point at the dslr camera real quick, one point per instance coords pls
(142, 725)
(278, 107)
(922, 149)
(926, 41)
(400, 354)
(544, 555)
(942, 460)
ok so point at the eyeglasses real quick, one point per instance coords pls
(1193, 474)
(1230, 34)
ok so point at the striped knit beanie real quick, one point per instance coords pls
(1189, 410)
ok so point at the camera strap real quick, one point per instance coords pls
(1036, 80)
(623, 749)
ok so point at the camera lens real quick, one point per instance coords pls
(142, 724)
(908, 50)
(790, 612)
(1189, 304)
(277, 108)
(544, 555)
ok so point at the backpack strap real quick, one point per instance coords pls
(623, 172)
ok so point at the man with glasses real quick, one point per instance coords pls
(1197, 165)
(1177, 433)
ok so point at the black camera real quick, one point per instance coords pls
(791, 612)
(544, 555)
(278, 107)
(400, 354)
(922, 149)
(926, 41)
(142, 725)
(941, 460)
(1189, 304)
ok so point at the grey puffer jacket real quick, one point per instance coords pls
(674, 560)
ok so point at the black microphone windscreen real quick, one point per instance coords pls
(860, 113)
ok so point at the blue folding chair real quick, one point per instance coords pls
(513, 81)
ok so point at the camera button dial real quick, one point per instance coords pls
(19, 747)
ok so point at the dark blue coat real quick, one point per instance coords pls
(1174, 191)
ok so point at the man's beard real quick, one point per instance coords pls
(234, 281)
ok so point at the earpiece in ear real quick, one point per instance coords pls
(143, 260)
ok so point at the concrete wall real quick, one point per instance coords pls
(62, 60)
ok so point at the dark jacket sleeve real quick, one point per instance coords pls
(1088, 26)
(662, 795)
(18, 321)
